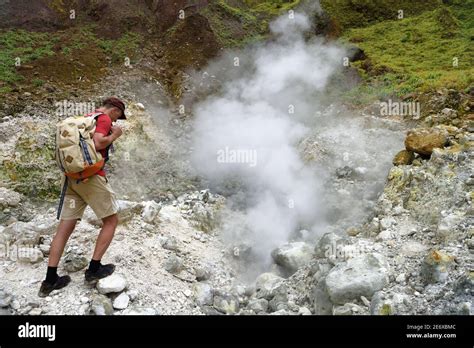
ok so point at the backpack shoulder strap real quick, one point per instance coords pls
(96, 114)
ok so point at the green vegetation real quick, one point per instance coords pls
(26, 47)
(38, 82)
(21, 47)
(272, 8)
(360, 13)
(419, 53)
(252, 19)
(32, 170)
(125, 46)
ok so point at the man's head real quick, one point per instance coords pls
(114, 107)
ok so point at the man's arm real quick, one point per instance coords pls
(101, 141)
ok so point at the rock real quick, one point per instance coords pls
(359, 276)
(403, 158)
(140, 311)
(355, 53)
(344, 172)
(203, 294)
(447, 226)
(280, 299)
(328, 245)
(127, 210)
(321, 302)
(304, 311)
(4, 311)
(266, 284)
(342, 310)
(9, 198)
(169, 243)
(30, 255)
(45, 248)
(133, 294)
(101, 305)
(173, 264)
(45, 226)
(423, 141)
(35, 311)
(225, 302)
(151, 210)
(292, 256)
(436, 267)
(384, 235)
(5, 298)
(121, 301)
(353, 231)
(258, 305)
(112, 283)
(202, 273)
(140, 106)
(387, 222)
(401, 278)
(281, 312)
(21, 233)
(387, 304)
(74, 262)
(413, 248)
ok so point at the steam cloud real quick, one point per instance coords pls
(263, 110)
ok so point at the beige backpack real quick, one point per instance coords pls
(75, 150)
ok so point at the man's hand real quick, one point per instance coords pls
(116, 131)
(101, 141)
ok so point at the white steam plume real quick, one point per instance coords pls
(248, 133)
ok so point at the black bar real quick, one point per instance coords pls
(289, 331)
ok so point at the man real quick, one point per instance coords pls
(95, 192)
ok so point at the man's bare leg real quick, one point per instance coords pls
(105, 236)
(53, 281)
(96, 270)
(65, 229)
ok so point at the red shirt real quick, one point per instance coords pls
(103, 126)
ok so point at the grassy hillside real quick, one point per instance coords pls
(61, 56)
(418, 53)
(240, 22)
(360, 13)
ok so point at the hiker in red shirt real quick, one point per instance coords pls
(95, 192)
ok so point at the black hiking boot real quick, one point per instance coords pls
(60, 283)
(102, 272)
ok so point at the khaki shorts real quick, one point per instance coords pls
(95, 192)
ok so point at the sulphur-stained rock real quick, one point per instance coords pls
(436, 266)
(404, 157)
(423, 140)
